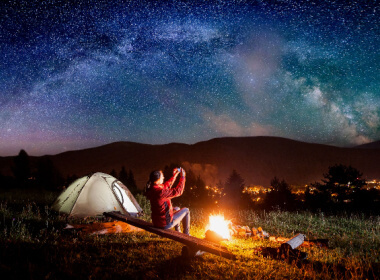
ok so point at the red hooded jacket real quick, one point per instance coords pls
(160, 200)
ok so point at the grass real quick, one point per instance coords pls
(34, 245)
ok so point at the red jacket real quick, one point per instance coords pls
(160, 200)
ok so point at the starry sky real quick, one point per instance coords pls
(84, 74)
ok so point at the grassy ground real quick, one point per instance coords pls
(33, 245)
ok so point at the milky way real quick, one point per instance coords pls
(81, 75)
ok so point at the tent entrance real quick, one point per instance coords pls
(125, 198)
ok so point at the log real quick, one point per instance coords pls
(213, 236)
(196, 244)
(287, 249)
(294, 242)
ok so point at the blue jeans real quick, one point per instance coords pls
(178, 216)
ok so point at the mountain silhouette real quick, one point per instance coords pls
(372, 145)
(256, 159)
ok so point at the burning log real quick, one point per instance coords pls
(213, 236)
(218, 226)
(226, 229)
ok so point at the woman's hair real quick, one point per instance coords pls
(153, 177)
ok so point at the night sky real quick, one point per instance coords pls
(74, 76)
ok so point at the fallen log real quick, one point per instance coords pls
(287, 249)
(322, 243)
(294, 242)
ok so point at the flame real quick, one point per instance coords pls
(219, 225)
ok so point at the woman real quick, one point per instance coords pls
(160, 195)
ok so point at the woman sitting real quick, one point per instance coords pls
(160, 195)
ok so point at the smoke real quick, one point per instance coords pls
(208, 172)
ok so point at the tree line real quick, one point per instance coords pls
(44, 175)
(342, 188)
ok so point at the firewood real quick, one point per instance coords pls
(281, 239)
(247, 229)
(241, 230)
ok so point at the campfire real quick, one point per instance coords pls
(218, 228)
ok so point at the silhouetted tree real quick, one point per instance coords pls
(123, 175)
(131, 183)
(246, 201)
(318, 197)
(280, 196)
(113, 173)
(367, 201)
(2, 181)
(6, 182)
(128, 179)
(313, 199)
(340, 190)
(202, 197)
(69, 180)
(47, 175)
(21, 169)
(342, 182)
(233, 191)
(195, 193)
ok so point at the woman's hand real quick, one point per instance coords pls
(183, 173)
(176, 171)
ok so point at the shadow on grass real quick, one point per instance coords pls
(336, 271)
(178, 268)
(69, 260)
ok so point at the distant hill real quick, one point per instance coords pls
(257, 159)
(372, 145)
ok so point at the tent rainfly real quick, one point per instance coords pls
(95, 194)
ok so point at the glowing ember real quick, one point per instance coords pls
(218, 225)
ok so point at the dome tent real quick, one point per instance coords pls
(95, 194)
